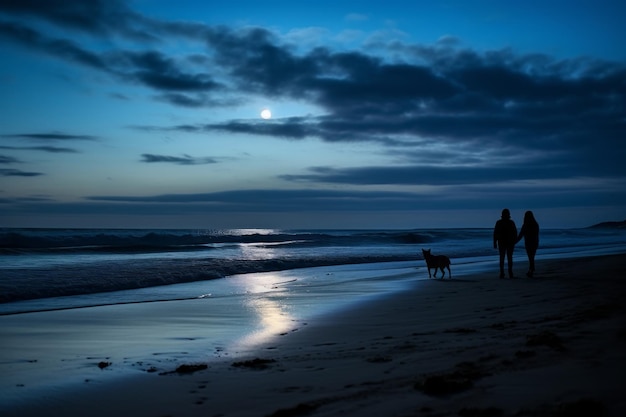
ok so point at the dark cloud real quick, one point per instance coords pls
(34, 199)
(430, 175)
(290, 128)
(454, 95)
(4, 159)
(17, 173)
(149, 68)
(304, 200)
(50, 136)
(275, 200)
(98, 17)
(162, 73)
(185, 100)
(61, 48)
(50, 149)
(184, 160)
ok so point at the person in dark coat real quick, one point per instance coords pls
(504, 239)
(530, 234)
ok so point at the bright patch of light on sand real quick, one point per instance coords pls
(266, 114)
(265, 297)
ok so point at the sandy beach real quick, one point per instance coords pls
(476, 345)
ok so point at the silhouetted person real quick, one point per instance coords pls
(530, 234)
(504, 238)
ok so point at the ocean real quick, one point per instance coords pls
(54, 269)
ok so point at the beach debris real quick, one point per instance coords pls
(103, 364)
(183, 369)
(461, 379)
(188, 369)
(545, 338)
(256, 363)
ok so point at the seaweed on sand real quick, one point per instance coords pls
(256, 363)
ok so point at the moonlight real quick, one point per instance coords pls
(266, 114)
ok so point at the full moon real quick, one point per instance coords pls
(266, 114)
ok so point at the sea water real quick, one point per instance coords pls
(48, 269)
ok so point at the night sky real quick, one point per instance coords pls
(385, 114)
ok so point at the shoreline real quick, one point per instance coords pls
(535, 345)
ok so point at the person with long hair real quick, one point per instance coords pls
(504, 235)
(530, 234)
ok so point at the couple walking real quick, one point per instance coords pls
(505, 237)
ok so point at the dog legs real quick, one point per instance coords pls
(443, 272)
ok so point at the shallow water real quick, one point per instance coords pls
(46, 351)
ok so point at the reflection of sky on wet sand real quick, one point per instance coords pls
(279, 301)
(267, 300)
(236, 316)
(274, 319)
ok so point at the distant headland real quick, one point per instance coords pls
(609, 225)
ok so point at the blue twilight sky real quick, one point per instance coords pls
(385, 114)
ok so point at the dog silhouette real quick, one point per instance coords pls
(437, 262)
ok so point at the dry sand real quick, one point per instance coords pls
(553, 345)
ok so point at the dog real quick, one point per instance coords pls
(437, 262)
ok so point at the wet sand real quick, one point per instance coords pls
(552, 345)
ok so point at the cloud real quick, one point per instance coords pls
(322, 200)
(184, 160)
(61, 48)
(5, 172)
(4, 159)
(186, 100)
(155, 70)
(429, 175)
(50, 136)
(149, 68)
(290, 128)
(97, 17)
(275, 200)
(50, 149)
